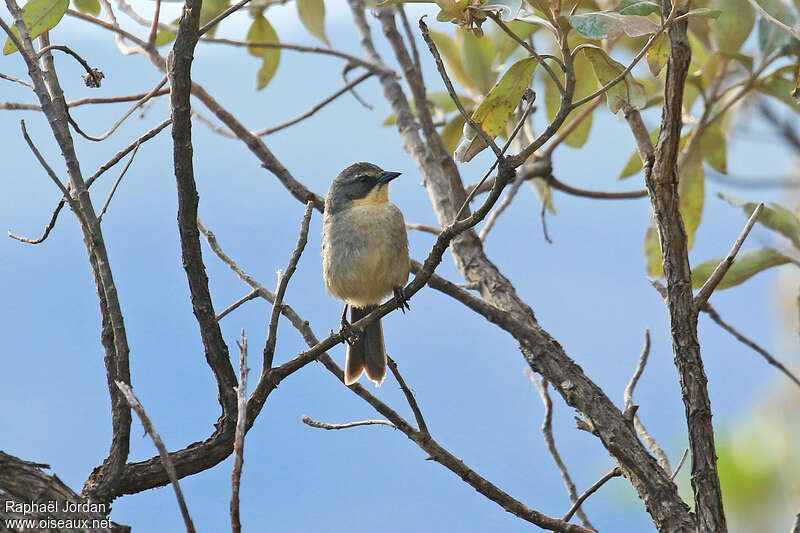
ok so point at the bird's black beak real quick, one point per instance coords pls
(386, 177)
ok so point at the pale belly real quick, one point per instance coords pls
(365, 254)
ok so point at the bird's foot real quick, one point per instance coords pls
(347, 333)
(400, 299)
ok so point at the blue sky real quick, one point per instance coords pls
(588, 290)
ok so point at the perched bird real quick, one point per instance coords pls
(364, 259)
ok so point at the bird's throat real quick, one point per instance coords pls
(379, 195)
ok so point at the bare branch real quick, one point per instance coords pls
(16, 80)
(116, 184)
(283, 282)
(423, 227)
(238, 440)
(630, 409)
(547, 432)
(219, 18)
(47, 229)
(324, 425)
(412, 402)
(42, 162)
(151, 38)
(451, 90)
(136, 405)
(616, 472)
(124, 117)
(722, 268)
(95, 74)
(597, 195)
(331, 98)
(680, 463)
(712, 313)
(235, 305)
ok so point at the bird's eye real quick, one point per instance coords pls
(362, 179)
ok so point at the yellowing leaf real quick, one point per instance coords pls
(495, 110)
(692, 193)
(652, 253)
(262, 31)
(585, 84)
(451, 133)
(658, 54)
(712, 146)
(39, 16)
(626, 91)
(312, 15)
(210, 9)
(504, 44)
(746, 265)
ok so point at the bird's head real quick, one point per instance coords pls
(359, 184)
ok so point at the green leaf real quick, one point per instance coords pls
(712, 146)
(165, 36)
(88, 6)
(745, 266)
(652, 253)
(637, 7)
(451, 133)
(477, 55)
(781, 85)
(312, 15)
(705, 12)
(658, 54)
(504, 44)
(634, 164)
(39, 16)
(776, 217)
(262, 31)
(449, 50)
(608, 25)
(495, 110)
(606, 69)
(733, 26)
(692, 193)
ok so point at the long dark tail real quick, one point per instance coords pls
(369, 353)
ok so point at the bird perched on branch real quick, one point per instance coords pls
(364, 259)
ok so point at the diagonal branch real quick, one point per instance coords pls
(722, 268)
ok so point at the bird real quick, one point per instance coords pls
(364, 259)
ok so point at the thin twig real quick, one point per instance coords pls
(711, 283)
(543, 216)
(47, 229)
(16, 80)
(116, 184)
(219, 18)
(42, 162)
(412, 402)
(66, 49)
(572, 126)
(151, 39)
(235, 305)
(747, 342)
(598, 195)
(125, 151)
(494, 215)
(629, 408)
(616, 472)
(423, 227)
(238, 440)
(136, 405)
(324, 425)
(116, 125)
(283, 282)
(112, 27)
(451, 90)
(331, 98)
(547, 431)
(680, 463)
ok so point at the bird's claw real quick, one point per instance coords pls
(400, 299)
(347, 333)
